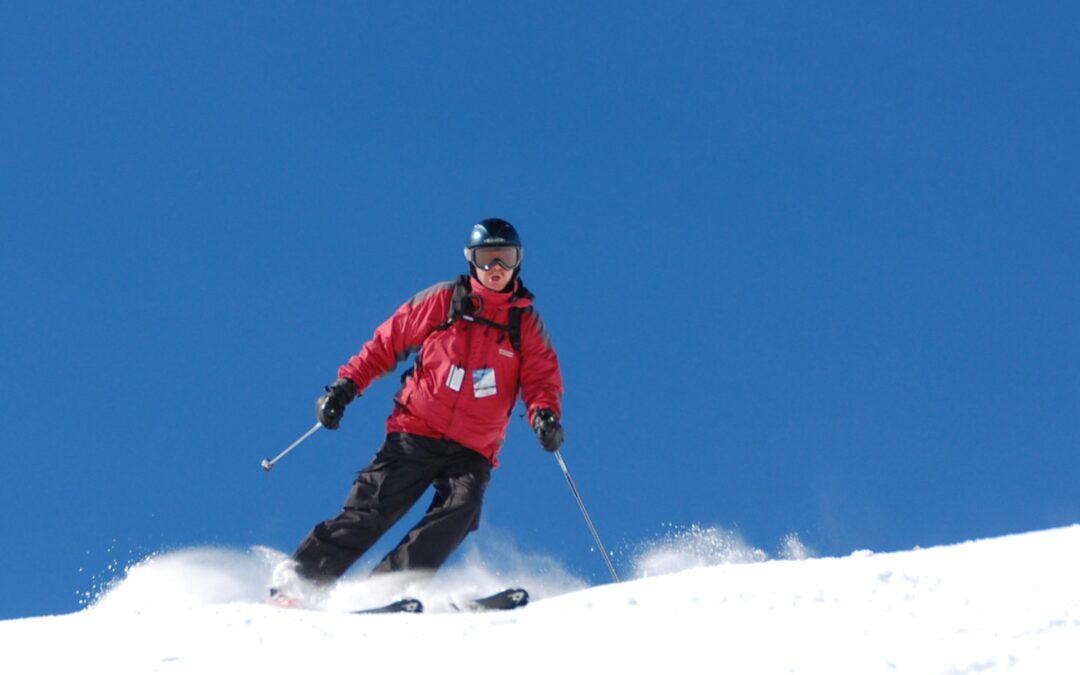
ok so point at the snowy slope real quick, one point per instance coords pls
(1010, 604)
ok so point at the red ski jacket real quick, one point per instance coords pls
(467, 376)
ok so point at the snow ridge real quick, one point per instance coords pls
(1010, 604)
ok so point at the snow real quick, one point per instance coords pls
(1010, 604)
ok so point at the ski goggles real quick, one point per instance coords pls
(486, 257)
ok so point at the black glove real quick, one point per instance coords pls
(331, 406)
(548, 429)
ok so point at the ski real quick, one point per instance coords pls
(403, 606)
(511, 598)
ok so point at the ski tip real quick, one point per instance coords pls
(511, 598)
(403, 606)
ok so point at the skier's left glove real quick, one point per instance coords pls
(548, 429)
(330, 407)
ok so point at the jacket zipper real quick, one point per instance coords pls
(465, 366)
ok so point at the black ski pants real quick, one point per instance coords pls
(402, 470)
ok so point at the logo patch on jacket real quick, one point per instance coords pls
(484, 382)
(506, 352)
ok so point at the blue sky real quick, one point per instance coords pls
(808, 269)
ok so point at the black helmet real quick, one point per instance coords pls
(493, 232)
(494, 241)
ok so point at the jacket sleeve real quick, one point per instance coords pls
(399, 336)
(541, 378)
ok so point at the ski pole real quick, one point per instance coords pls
(269, 463)
(588, 520)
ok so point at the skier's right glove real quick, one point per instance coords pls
(548, 429)
(331, 406)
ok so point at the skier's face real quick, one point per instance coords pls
(494, 279)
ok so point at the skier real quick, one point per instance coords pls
(479, 342)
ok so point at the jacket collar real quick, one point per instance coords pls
(517, 292)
